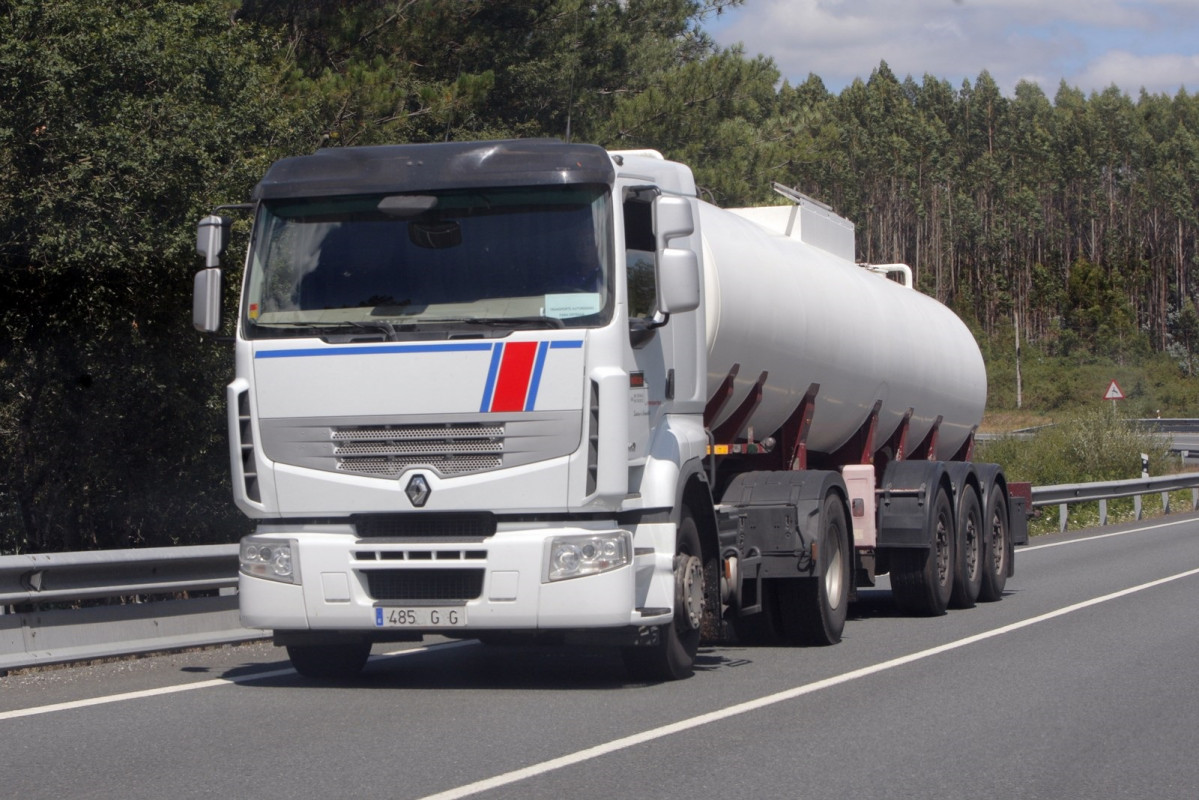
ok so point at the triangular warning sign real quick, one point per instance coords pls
(1113, 392)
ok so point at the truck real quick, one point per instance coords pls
(536, 390)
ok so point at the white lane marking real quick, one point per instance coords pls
(188, 687)
(1047, 545)
(534, 770)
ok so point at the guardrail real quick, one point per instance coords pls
(1064, 494)
(166, 598)
(160, 598)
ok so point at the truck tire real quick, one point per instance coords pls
(673, 656)
(329, 661)
(997, 547)
(968, 576)
(813, 610)
(922, 579)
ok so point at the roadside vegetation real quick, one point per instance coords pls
(1070, 218)
(1095, 443)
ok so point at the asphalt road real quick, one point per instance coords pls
(1080, 683)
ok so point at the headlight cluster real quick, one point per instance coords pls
(270, 559)
(590, 554)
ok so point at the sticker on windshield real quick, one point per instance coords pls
(576, 304)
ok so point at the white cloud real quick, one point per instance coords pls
(1129, 71)
(1089, 43)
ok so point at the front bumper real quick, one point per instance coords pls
(500, 583)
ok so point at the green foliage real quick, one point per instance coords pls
(1095, 444)
(121, 122)
(1073, 217)
(374, 71)
(1061, 380)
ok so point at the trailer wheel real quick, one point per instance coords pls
(673, 656)
(813, 610)
(997, 547)
(968, 577)
(922, 579)
(329, 661)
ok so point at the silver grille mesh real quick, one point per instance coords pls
(453, 444)
(388, 450)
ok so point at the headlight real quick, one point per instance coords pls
(271, 559)
(588, 554)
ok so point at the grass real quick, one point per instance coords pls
(1087, 441)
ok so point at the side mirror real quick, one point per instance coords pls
(678, 281)
(206, 300)
(678, 268)
(672, 219)
(211, 236)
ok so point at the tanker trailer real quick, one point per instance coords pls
(536, 390)
(841, 370)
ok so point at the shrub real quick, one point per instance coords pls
(1095, 444)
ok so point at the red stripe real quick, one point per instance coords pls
(513, 382)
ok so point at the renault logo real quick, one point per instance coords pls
(418, 490)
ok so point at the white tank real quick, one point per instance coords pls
(805, 315)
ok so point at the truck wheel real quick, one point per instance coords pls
(329, 661)
(673, 657)
(996, 548)
(922, 580)
(968, 577)
(813, 609)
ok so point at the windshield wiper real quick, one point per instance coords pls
(382, 325)
(499, 322)
(329, 328)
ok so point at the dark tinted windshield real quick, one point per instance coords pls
(402, 262)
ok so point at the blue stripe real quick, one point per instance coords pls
(497, 353)
(458, 347)
(535, 381)
(466, 347)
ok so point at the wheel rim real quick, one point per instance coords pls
(971, 555)
(833, 577)
(998, 544)
(943, 565)
(689, 584)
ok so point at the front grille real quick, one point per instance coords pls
(425, 584)
(388, 450)
(464, 527)
(385, 447)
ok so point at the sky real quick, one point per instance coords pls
(1091, 44)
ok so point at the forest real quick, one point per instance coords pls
(1069, 220)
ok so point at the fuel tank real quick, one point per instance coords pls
(803, 314)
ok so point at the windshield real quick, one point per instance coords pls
(490, 260)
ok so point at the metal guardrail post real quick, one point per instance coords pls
(1063, 495)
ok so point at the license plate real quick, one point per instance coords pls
(421, 617)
